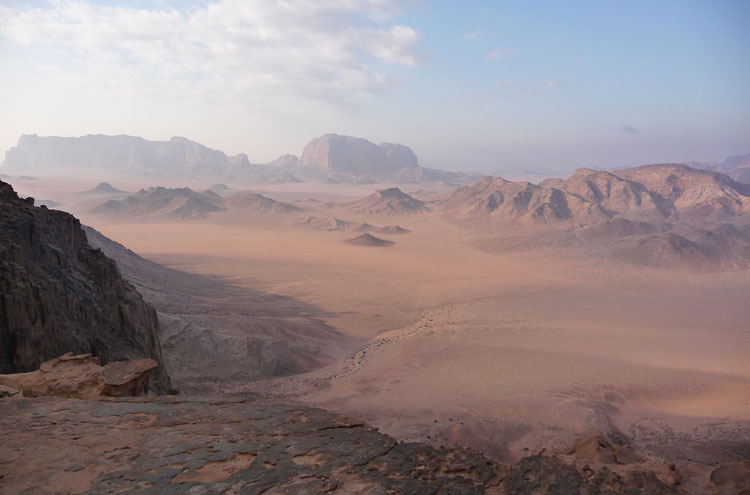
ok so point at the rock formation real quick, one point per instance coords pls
(661, 215)
(59, 295)
(83, 377)
(391, 201)
(178, 157)
(162, 202)
(334, 153)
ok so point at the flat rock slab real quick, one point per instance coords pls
(168, 445)
(202, 446)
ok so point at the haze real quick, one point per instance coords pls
(490, 87)
(360, 247)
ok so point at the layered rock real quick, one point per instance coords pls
(83, 377)
(59, 295)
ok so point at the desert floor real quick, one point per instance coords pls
(508, 352)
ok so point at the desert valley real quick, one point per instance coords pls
(374, 247)
(457, 311)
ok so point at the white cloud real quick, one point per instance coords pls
(474, 35)
(259, 51)
(496, 54)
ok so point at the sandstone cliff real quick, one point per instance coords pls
(59, 295)
(334, 153)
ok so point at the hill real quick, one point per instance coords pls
(736, 167)
(162, 202)
(251, 201)
(391, 201)
(661, 215)
(334, 224)
(370, 241)
(103, 188)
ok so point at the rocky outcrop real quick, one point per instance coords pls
(83, 377)
(59, 295)
(162, 445)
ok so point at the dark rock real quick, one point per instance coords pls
(59, 295)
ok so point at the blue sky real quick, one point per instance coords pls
(486, 86)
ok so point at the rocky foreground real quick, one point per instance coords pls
(165, 444)
(54, 444)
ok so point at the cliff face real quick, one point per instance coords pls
(334, 153)
(59, 295)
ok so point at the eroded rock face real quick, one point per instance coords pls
(334, 153)
(83, 377)
(162, 445)
(59, 295)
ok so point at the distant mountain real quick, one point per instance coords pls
(356, 160)
(330, 158)
(736, 167)
(161, 202)
(251, 201)
(334, 153)
(103, 188)
(178, 157)
(391, 201)
(648, 193)
(664, 215)
(332, 224)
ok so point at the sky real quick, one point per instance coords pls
(485, 86)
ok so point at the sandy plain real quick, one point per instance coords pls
(508, 351)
